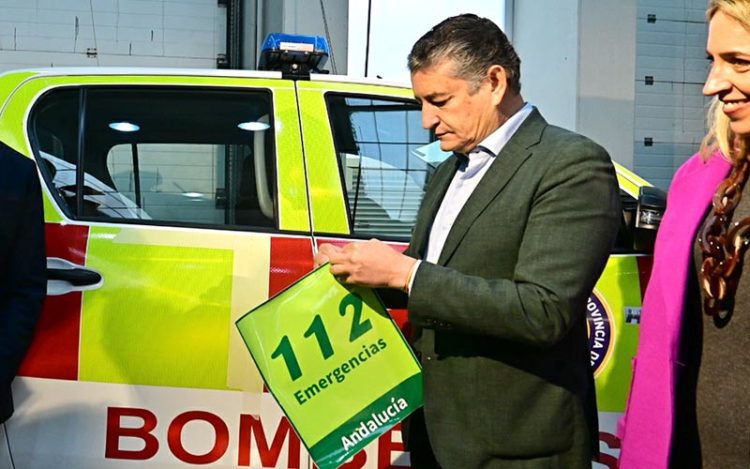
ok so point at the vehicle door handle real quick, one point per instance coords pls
(64, 277)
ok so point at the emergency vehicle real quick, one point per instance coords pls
(177, 200)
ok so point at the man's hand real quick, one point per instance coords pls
(371, 263)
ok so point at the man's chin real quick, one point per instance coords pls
(450, 146)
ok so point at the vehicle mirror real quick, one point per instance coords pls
(649, 210)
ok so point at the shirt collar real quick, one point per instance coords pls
(494, 142)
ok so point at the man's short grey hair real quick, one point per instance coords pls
(473, 44)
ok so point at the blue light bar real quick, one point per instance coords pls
(294, 55)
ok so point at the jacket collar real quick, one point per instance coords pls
(511, 157)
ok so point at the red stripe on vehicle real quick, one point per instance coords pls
(291, 258)
(645, 263)
(54, 351)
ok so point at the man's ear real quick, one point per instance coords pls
(498, 80)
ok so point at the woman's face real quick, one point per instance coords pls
(729, 78)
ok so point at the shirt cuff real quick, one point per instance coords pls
(412, 274)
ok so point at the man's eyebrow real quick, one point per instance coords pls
(434, 96)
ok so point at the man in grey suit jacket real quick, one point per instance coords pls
(513, 232)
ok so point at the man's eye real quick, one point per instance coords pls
(439, 103)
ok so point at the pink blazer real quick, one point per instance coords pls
(646, 427)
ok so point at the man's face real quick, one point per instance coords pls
(460, 114)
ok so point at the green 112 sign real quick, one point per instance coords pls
(335, 362)
(317, 330)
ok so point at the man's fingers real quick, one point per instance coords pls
(320, 259)
(327, 249)
(334, 254)
(338, 269)
(338, 257)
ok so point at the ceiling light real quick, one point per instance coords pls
(253, 126)
(124, 126)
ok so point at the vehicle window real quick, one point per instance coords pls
(385, 158)
(161, 155)
(55, 132)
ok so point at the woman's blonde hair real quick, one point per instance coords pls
(720, 135)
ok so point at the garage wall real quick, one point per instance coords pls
(670, 71)
(157, 33)
(606, 96)
(328, 18)
(545, 35)
(577, 66)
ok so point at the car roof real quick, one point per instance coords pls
(195, 72)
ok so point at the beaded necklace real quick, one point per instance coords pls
(723, 245)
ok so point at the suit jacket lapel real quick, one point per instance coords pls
(430, 205)
(511, 157)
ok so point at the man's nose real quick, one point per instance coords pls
(716, 81)
(429, 117)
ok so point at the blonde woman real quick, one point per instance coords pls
(689, 405)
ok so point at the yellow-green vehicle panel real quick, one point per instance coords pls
(612, 345)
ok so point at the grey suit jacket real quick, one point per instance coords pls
(499, 321)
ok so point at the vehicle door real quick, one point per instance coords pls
(368, 161)
(173, 205)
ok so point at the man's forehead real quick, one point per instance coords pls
(434, 80)
(430, 90)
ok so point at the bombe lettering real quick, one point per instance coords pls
(251, 435)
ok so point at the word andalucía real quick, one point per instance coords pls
(376, 420)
